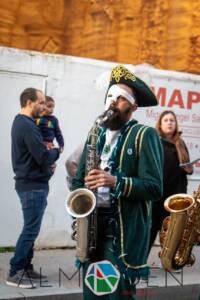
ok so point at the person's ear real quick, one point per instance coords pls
(29, 102)
(135, 106)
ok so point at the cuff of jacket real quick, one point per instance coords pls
(123, 186)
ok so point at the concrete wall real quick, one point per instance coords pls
(78, 86)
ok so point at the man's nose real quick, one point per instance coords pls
(113, 104)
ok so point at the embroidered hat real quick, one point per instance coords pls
(143, 94)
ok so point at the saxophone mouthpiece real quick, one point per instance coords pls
(104, 118)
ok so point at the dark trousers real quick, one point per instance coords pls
(33, 206)
(125, 290)
(158, 215)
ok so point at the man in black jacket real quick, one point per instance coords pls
(31, 162)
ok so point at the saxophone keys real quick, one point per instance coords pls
(191, 260)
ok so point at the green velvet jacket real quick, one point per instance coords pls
(137, 162)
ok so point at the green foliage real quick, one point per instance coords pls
(7, 249)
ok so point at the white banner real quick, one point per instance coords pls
(182, 95)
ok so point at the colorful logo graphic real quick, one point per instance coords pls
(102, 278)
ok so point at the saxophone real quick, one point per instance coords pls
(179, 231)
(81, 203)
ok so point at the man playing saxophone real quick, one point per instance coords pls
(128, 180)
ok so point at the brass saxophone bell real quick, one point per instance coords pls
(81, 203)
(179, 231)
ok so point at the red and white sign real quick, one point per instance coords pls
(180, 93)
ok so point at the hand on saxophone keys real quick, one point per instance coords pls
(98, 178)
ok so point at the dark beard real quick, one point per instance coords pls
(117, 120)
(36, 114)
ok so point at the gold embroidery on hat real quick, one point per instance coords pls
(120, 71)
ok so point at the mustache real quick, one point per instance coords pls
(113, 107)
(116, 111)
(117, 119)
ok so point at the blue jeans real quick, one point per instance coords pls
(33, 204)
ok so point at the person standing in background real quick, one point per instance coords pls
(174, 176)
(31, 161)
(72, 163)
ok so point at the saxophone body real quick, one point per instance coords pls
(81, 204)
(179, 231)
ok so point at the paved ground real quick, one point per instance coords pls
(63, 283)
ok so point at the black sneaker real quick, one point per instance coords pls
(20, 279)
(33, 274)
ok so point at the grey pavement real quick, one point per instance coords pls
(63, 283)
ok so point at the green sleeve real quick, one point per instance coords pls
(148, 184)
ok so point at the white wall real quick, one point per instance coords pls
(78, 86)
(71, 82)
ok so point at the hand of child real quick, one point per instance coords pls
(61, 149)
(53, 167)
(49, 145)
